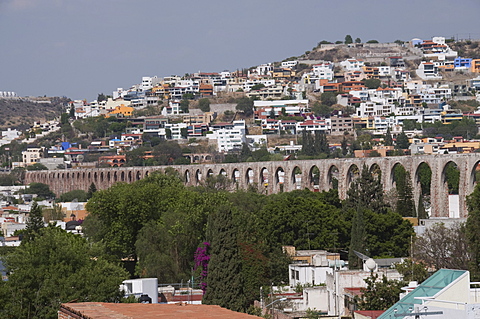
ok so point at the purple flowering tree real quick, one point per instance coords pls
(202, 258)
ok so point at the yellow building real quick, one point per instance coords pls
(121, 111)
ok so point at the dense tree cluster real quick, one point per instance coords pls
(162, 223)
(55, 267)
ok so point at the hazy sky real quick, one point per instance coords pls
(84, 47)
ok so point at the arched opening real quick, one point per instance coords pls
(139, 176)
(187, 176)
(209, 173)
(333, 175)
(475, 175)
(376, 171)
(296, 178)
(423, 180)
(101, 177)
(401, 197)
(314, 177)
(451, 182)
(236, 176)
(264, 177)
(249, 176)
(146, 173)
(280, 178)
(129, 176)
(122, 176)
(263, 182)
(115, 177)
(198, 176)
(108, 177)
(352, 174)
(223, 173)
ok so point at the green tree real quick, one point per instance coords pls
(402, 142)
(412, 271)
(124, 209)
(42, 190)
(328, 98)
(258, 86)
(37, 167)
(366, 192)
(380, 294)
(348, 39)
(204, 105)
(405, 205)
(184, 104)
(358, 40)
(53, 268)
(344, 145)
(224, 280)
(34, 223)
(78, 194)
(472, 231)
(245, 105)
(372, 83)
(388, 141)
(91, 190)
(357, 240)
(372, 41)
(321, 109)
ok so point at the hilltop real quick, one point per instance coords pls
(20, 113)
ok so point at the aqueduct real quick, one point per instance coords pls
(272, 177)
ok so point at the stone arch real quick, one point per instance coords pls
(296, 178)
(375, 170)
(422, 188)
(353, 173)
(314, 177)
(280, 179)
(263, 178)
(146, 173)
(122, 176)
(186, 176)
(138, 176)
(101, 177)
(109, 180)
(222, 173)
(249, 176)
(209, 172)
(129, 176)
(333, 177)
(450, 180)
(89, 176)
(78, 175)
(392, 173)
(198, 176)
(115, 177)
(236, 176)
(474, 175)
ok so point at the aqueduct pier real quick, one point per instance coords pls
(273, 177)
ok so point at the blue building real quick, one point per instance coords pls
(464, 63)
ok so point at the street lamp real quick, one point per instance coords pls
(274, 302)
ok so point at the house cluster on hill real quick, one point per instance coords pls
(378, 89)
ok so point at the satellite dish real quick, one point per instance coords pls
(371, 264)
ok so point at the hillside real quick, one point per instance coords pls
(20, 113)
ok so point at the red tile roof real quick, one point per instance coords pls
(101, 310)
(373, 314)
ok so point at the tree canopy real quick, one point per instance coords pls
(53, 268)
